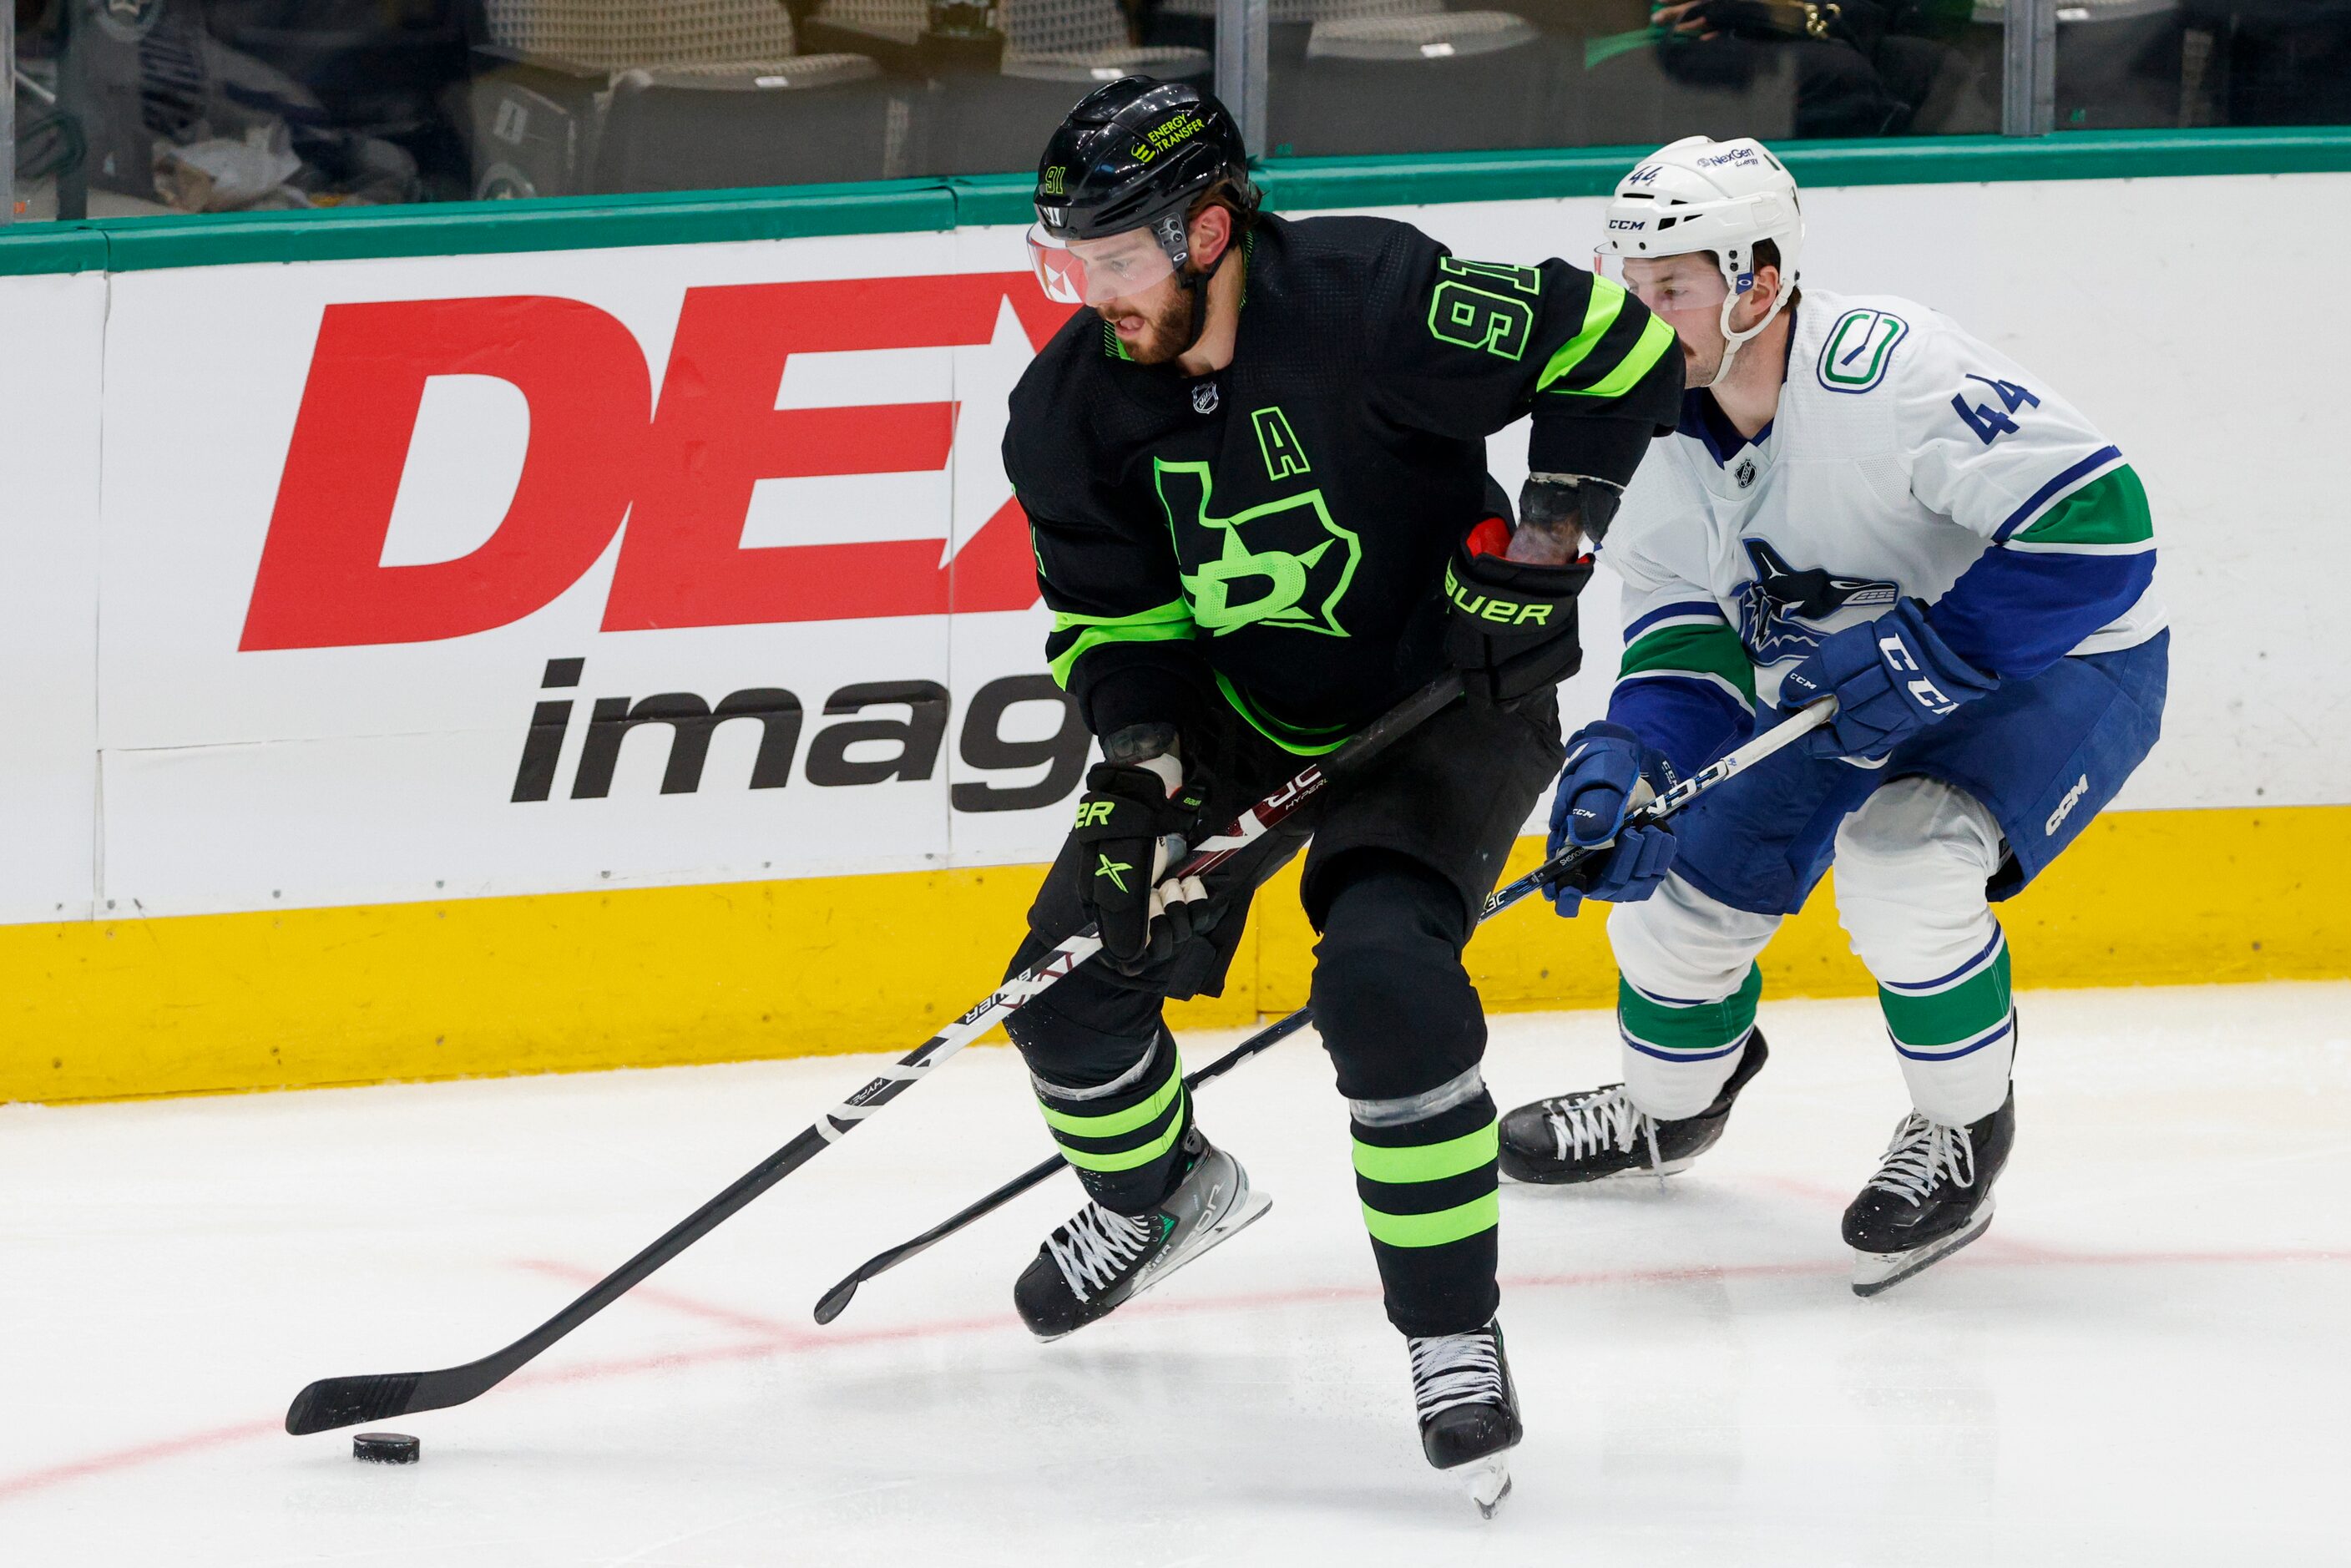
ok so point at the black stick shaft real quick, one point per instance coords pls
(347, 1401)
(830, 1304)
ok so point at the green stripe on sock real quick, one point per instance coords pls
(1454, 1224)
(1976, 1004)
(1708, 1026)
(1112, 1124)
(2109, 510)
(1713, 649)
(1127, 1159)
(1429, 1162)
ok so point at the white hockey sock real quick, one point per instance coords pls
(1911, 866)
(1685, 1003)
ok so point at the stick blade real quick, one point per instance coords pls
(334, 1402)
(830, 1305)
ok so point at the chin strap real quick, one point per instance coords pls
(1734, 341)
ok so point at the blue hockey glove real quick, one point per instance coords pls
(1892, 677)
(1609, 772)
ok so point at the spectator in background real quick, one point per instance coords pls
(1861, 69)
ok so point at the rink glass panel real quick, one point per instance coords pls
(145, 108)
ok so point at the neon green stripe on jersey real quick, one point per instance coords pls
(2109, 510)
(1600, 313)
(1712, 648)
(1296, 739)
(1168, 622)
(1655, 338)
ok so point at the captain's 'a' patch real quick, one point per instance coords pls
(1860, 349)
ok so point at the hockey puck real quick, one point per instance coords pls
(386, 1448)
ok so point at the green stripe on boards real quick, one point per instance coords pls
(2109, 510)
(1168, 622)
(1600, 313)
(1713, 649)
(1655, 338)
(1447, 1225)
(1976, 1004)
(1429, 1162)
(1708, 1026)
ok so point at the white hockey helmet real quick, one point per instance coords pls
(1700, 194)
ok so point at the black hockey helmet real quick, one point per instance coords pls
(1134, 155)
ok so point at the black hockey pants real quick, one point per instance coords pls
(1402, 859)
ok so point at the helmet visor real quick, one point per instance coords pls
(1097, 271)
(1671, 285)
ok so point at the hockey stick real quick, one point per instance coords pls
(832, 1303)
(334, 1402)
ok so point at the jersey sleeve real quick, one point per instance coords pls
(1684, 684)
(1121, 643)
(1473, 345)
(2004, 456)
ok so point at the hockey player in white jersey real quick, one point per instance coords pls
(1862, 502)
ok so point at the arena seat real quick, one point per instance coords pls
(670, 95)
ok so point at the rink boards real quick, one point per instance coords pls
(439, 665)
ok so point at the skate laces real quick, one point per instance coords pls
(1922, 1151)
(1096, 1244)
(1604, 1119)
(1455, 1369)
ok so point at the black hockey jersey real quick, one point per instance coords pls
(1274, 535)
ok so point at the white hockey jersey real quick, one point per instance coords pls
(1907, 460)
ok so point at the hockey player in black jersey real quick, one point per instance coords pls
(1255, 470)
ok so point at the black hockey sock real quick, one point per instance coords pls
(1404, 1027)
(1125, 1139)
(1430, 1202)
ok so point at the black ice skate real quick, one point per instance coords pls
(1469, 1407)
(1931, 1195)
(1600, 1134)
(1100, 1258)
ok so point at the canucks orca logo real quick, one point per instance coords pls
(1779, 614)
(1285, 563)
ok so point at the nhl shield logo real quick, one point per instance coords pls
(1745, 473)
(1204, 397)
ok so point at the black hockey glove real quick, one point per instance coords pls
(1511, 631)
(1129, 832)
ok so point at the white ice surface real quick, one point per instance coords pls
(2145, 1362)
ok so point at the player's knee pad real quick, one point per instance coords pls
(1394, 1005)
(1680, 943)
(1911, 865)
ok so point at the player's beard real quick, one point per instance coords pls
(1165, 330)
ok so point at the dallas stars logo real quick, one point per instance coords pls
(1286, 564)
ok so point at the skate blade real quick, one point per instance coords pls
(1246, 1212)
(1877, 1271)
(1489, 1487)
(1636, 1173)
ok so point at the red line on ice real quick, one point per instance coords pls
(778, 1336)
